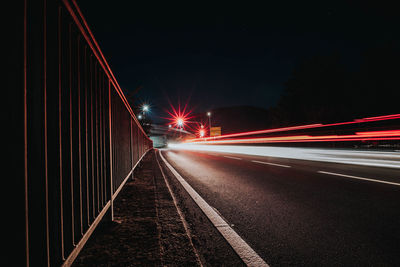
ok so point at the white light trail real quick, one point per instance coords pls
(345, 156)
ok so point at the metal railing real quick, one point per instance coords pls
(74, 138)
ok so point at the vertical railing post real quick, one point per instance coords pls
(111, 216)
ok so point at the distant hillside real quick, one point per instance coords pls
(238, 119)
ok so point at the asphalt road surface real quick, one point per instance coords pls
(299, 212)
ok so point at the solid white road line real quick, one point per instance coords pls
(269, 163)
(245, 252)
(360, 178)
(229, 157)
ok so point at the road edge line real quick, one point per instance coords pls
(184, 222)
(242, 249)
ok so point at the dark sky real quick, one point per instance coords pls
(241, 53)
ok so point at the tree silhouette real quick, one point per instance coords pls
(322, 89)
(379, 81)
(316, 91)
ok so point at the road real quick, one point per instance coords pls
(295, 212)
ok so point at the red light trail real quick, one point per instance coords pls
(306, 138)
(357, 136)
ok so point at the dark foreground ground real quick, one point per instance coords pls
(148, 230)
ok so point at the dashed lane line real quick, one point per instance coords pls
(360, 178)
(229, 157)
(273, 164)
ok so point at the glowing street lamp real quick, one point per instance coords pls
(145, 108)
(209, 120)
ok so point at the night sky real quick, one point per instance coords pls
(210, 55)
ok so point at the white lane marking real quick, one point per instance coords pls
(245, 252)
(229, 157)
(360, 178)
(269, 163)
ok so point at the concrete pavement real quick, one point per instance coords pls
(149, 230)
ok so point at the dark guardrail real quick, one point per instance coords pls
(73, 139)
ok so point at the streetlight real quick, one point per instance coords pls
(209, 120)
(145, 108)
